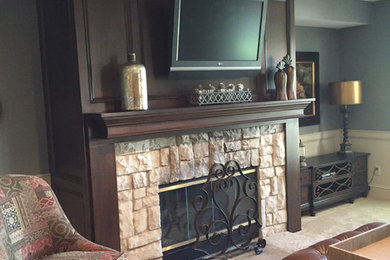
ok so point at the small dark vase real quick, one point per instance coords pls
(280, 79)
(291, 78)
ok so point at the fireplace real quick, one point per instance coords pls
(83, 161)
(145, 166)
(131, 154)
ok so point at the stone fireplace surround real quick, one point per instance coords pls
(144, 165)
(107, 130)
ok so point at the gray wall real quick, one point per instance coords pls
(357, 53)
(326, 42)
(23, 145)
(366, 56)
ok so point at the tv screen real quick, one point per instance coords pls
(215, 35)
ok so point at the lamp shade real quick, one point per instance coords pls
(345, 92)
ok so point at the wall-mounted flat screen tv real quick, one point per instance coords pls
(218, 35)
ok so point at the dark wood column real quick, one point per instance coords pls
(293, 176)
(101, 156)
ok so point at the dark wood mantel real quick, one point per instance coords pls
(163, 121)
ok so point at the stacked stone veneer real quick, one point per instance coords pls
(144, 165)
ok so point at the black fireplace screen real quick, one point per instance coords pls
(210, 216)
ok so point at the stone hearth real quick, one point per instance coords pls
(144, 165)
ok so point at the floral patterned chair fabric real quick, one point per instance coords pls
(34, 226)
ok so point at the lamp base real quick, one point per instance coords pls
(345, 148)
(302, 161)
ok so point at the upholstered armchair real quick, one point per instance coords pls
(34, 226)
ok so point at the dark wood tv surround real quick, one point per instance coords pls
(83, 43)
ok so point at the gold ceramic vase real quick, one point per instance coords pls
(133, 84)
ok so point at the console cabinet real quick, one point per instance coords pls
(332, 178)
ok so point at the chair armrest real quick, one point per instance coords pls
(80, 243)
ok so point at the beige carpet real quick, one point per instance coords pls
(327, 223)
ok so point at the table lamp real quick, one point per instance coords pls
(345, 93)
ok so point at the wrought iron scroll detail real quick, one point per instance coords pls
(331, 179)
(227, 203)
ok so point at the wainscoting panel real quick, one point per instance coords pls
(320, 143)
(377, 143)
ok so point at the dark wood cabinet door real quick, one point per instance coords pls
(305, 187)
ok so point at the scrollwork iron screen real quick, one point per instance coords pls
(231, 206)
(209, 217)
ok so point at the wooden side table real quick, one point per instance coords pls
(332, 178)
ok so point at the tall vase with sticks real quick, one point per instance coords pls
(280, 79)
(291, 87)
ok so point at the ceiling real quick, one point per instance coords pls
(334, 14)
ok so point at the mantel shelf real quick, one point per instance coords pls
(138, 123)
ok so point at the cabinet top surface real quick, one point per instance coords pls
(333, 158)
